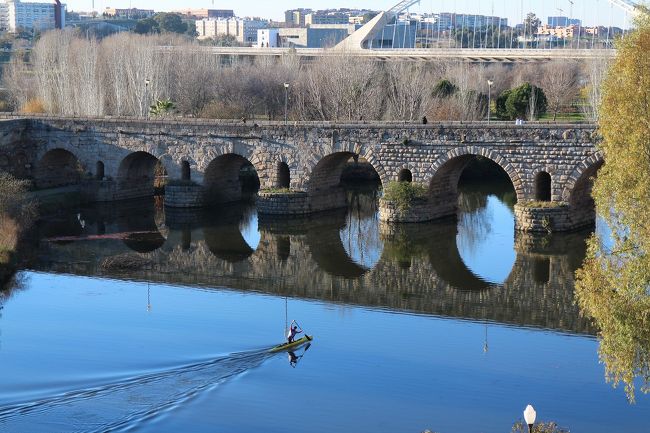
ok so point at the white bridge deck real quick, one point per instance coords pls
(423, 54)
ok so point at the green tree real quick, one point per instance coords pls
(516, 103)
(191, 29)
(172, 23)
(163, 22)
(613, 286)
(146, 26)
(500, 104)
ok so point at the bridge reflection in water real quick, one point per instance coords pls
(342, 257)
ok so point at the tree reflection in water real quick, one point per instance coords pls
(486, 227)
(622, 315)
(360, 236)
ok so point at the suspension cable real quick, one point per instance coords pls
(579, 32)
(499, 35)
(475, 21)
(609, 25)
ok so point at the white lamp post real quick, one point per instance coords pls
(145, 112)
(529, 416)
(490, 83)
(286, 103)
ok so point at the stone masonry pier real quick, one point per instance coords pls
(299, 165)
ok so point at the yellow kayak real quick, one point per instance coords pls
(296, 344)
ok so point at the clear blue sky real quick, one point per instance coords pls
(591, 11)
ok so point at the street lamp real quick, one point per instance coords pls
(286, 102)
(529, 416)
(490, 83)
(146, 97)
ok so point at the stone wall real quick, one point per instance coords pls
(17, 150)
(543, 219)
(417, 212)
(184, 196)
(287, 203)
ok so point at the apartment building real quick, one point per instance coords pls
(201, 14)
(244, 30)
(131, 13)
(16, 15)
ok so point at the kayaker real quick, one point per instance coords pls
(293, 330)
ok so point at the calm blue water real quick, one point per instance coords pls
(451, 327)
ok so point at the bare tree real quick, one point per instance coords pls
(409, 90)
(470, 100)
(195, 85)
(341, 88)
(19, 83)
(560, 83)
(125, 74)
(596, 71)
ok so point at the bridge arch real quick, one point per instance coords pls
(186, 173)
(58, 167)
(283, 175)
(443, 184)
(585, 170)
(405, 175)
(326, 172)
(579, 187)
(99, 170)
(143, 172)
(229, 177)
(543, 186)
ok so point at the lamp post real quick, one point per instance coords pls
(490, 83)
(529, 416)
(146, 98)
(286, 103)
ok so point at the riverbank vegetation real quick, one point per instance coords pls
(125, 74)
(16, 213)
(613, 286)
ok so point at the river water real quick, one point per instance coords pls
(128, 318)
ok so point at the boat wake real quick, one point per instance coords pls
(123, 405)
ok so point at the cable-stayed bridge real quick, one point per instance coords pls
(480, 31)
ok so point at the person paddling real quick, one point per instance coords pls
(293, 331)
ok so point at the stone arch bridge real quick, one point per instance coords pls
(299, 165)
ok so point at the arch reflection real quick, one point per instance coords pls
(420, 269)
(322, 240)
(231, 234)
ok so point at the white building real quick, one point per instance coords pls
(244, 30)
(16, 15)
(268, 38)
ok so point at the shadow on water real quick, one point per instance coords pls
(122, 405)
